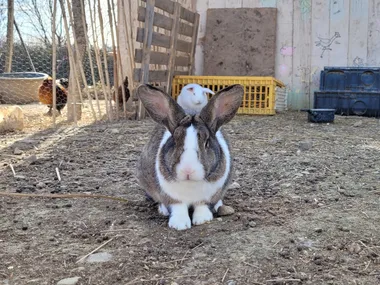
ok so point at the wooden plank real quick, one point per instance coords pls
(161, 58)
(201, 8)
(168, 6)
(251, 3)
(339, 23)
(147, 43)
(187, 15)
(320, 47)
(165, 22)
(217, 4)
(161, 40)
(234, 3)
(357, 45)
(194, 45)
(268, 3)
(299, 95)
(173, 47)
(156, 75)
(284, 42)
(373, 57)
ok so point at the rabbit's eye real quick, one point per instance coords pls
(207, 143)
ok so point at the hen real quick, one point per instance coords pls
(45, 95)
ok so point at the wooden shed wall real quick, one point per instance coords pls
(311, 34)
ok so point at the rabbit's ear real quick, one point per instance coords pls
(222, 107)
(208, 91)
(160, 106)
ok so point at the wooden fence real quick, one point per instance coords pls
(173, 52)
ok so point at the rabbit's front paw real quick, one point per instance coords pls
(201, 215)
(179, 218)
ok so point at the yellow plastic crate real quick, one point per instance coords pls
(259, 94)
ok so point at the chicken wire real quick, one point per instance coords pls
(32, 63)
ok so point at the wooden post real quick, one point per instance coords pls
(148, 28)
(108, 93)
(115, 61)
(120, 65)
(71, 102)
(194, 44)
(9, 54)
(173, 46)
(97, 59)
(53, 60)
(88, 48)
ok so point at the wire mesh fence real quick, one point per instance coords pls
(87, 42)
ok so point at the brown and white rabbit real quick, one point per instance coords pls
(187, 163)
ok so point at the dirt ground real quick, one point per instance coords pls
(306, 200)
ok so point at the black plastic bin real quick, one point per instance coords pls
(350, 79)
(349, 103)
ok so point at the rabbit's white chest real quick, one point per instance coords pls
(190, 192)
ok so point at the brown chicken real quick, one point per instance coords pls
(120, 93)
(45, 95)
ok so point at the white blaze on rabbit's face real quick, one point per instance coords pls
(190, 168)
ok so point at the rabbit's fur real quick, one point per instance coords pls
(186, 163)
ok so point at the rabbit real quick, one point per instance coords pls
(187, 162)
(193, 98)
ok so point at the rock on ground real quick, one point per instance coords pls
(69, 281)
(11, 118)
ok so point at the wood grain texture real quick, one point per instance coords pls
(321, 45)
(300, 91)
(373, 45)
(156, 75)
(358, 33)
(162, 40)
(165, 22)
(339, 23)
(284, 42)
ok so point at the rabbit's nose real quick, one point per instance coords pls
(188, 172)
(197, 102)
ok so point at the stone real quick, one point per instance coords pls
(99, 257)
(31, 159)
(11, 118)
(354, 248)
(40, 185)
(305, 145)
(225, 210)
(358, 123)
(234, 185)
(17, 151)
(69, 281)
(115, 131)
